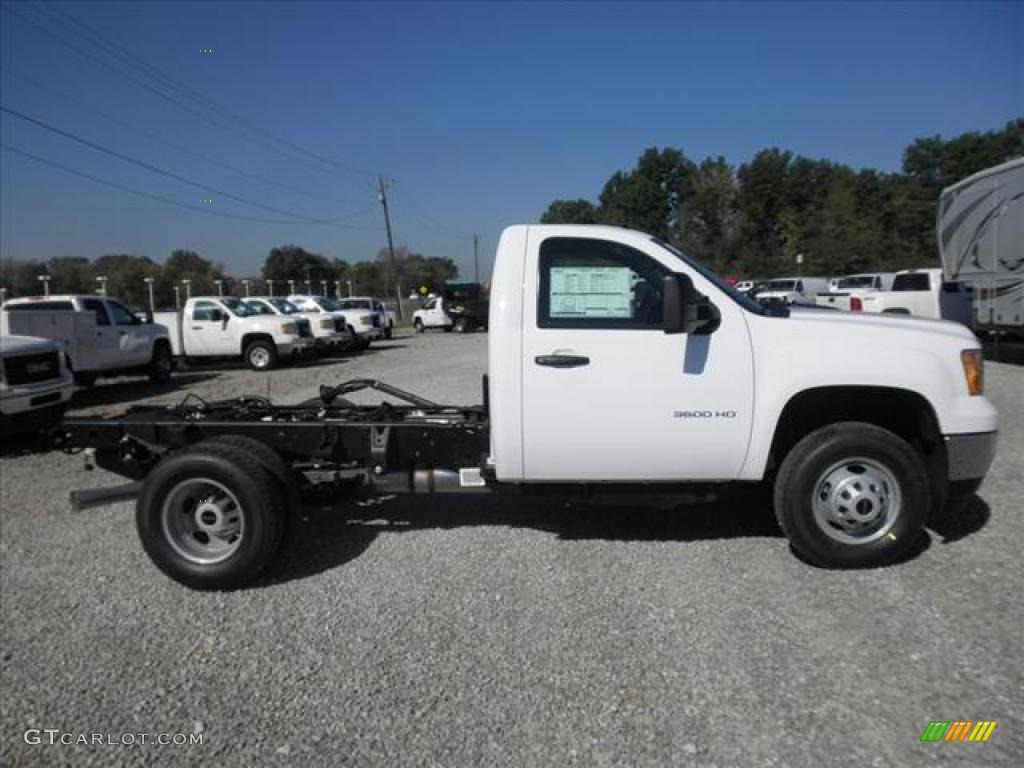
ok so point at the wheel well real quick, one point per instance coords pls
(249, 338)
(904, 413)
(161, 343)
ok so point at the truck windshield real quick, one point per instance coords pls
(780, 285)
(861, 281)
(740, 298)
(259, 308)
(240, 308)
(285, 306)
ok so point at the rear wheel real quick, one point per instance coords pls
(162, 364)
(852, 495)
(461, 325)
(417, 325)
(84, 378)
(210, 517)
(261, 355)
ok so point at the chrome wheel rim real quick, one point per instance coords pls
(856, 501)
(259, 357)
(202, 521)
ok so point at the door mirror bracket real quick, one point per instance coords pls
(687, 310)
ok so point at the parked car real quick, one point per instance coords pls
(220, 326)
(792, 290)
(432, 316)
(922, 293)
(374, 305)
(35, 383)
(365, 325)
(846, 293)
(614, 361)
(99, 335)
(330, 334)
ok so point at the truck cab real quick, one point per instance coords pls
(364, 324)
(846, 293)
(432, 315)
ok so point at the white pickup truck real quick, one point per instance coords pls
(791, 290)
(365, 324)
(847, 293)
(922, 293)
(614, 363)
(100, 336)
(35, 384)
(221, 326)
(330, 334)
(387, 317)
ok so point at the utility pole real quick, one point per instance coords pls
(382, 196)
(476, 261)
(177, 298)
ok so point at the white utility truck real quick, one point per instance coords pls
(35, 384)
(222, 326)
(432, 316)
(614, 362)
(981, 240)
(365, 325)
(387, 317)
(922, 293)
(329, 335)
(846, 293)
(100, 336)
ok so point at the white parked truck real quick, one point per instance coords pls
(981, 240)
(847, 293)
(791, 290)
(387, 317)
(221, 326)
(922, 293)
(365, 325)
(329, 335)
(614, 362)
(432, 316)
(35, 384)
(100, 336)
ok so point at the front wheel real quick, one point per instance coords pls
(852, 495)
(261, 355)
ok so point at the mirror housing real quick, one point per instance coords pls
(217, 315)
(687, 310)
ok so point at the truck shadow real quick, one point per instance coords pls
(115, 391)
(324, 537)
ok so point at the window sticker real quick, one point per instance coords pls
(591, 292)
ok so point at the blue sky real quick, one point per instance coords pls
(481, 113)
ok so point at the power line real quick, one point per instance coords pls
(147, 87)
(174, 145)
(139, 192)
(162, 172)
(423, 216)
(112, 48)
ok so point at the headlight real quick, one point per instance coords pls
(366, 320)
(326, 325)
(288, 329)
(974, 370)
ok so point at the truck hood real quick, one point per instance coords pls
(891, 328)
(25, 345)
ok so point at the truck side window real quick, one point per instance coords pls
(430, 304)
(95, 305)
(911, 281)
(203, 311)
(588, 283)
(121, 315)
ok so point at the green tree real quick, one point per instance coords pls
(570, 212)
(648, 198)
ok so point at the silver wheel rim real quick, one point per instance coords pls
(202, 521)
(856, 501)
(259, 357)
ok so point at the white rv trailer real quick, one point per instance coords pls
(981, 241)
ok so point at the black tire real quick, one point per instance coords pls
(388, 333)
(261, 510)
(447, 329)
(801, 483)
(85, 378)
(261, 355)
(162, 364)
(461, 325)
(417, 325)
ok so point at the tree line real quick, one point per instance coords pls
(126, 275)
(753, 220)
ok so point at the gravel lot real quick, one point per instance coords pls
(462, 631)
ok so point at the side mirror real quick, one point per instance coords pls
(216, 315)
(687, 310)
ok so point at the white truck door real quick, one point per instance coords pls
(607, 394)
(210, 330)
(132, 341)
(106, 348)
